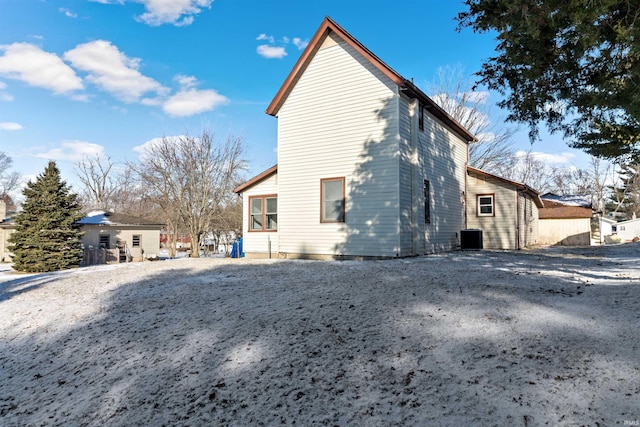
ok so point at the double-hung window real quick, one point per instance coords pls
(486, 205)
(136, 241)
(332, 200)
(263, 213)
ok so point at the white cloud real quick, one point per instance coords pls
(158, 12)
(30, 64)
(10, 126)
(186, 82)
(271, 52)
(476, 97)
(176, 12)
(3, 95)
(112, 71)
(145, 148)
(263, 36)
(188, 102)
(73, 151)
(549, 158)
(299, 43)
(67, 12)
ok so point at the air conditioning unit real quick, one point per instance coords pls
(471, 239)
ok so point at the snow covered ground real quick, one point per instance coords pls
(544, 337)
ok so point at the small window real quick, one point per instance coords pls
(263, 213)
(485, 205)
(332, 200)
(421, 117)
(104, 241)
(427, 202)
(137, 239)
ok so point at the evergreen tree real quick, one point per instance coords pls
(572, 64)
(47, 236)
(625, 197)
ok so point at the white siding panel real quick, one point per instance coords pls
(443, 158)
(259, 242)
(340, 120)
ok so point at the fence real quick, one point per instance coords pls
(95, 256)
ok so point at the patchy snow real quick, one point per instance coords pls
(544, 337)
(95, 218)
(583, 200)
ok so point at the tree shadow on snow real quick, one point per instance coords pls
(398, 342)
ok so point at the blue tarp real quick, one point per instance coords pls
(236, 249)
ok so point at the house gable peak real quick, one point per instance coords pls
(328, 27)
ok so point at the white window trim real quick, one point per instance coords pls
(493, 204)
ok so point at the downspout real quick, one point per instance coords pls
(518, 218)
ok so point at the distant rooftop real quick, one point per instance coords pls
(100, 217)
(583, 200)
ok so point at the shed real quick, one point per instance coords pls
(565, 220)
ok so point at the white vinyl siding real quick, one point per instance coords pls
(259, 243)
(443, 161)
(340, 120)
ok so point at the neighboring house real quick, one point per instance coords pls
(7, 226)
(628, 230)
(368, 165)
(506, 211)
(134, 238)
(565, 220)
(607, 228)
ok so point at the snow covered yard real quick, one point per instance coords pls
(544, 337)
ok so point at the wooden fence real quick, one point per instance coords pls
(96, 256)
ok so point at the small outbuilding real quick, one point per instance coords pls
(113, 237)
(565, 220)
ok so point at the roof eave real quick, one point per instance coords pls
(328, 26)
(256, 179)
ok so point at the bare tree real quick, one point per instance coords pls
(494, 150)
(100, 184)
(9, 181)
(191, 179)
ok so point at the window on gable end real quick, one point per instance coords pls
(421, 116)
(332, 200)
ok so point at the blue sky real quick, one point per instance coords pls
(103, 77)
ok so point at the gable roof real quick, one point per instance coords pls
(557, 210)
(329, 26)
(256, 179)
(101, 217)
(519, 186)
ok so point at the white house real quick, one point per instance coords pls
(628, 230)
(506, 211)
(368, 165)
